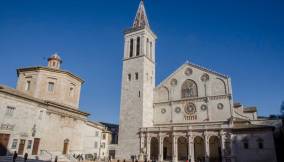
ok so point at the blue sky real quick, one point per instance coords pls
(240, 38)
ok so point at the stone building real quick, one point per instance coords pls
(42, 117)
(189, 115)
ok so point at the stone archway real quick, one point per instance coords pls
(154, 150)
(182, 145)
(199, 149)
(215, 149)
(167, 149)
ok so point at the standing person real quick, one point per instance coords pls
(55, 160)
(26, 157)
(15, 156)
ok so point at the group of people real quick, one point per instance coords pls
(15, 156)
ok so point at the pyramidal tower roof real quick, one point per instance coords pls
(141, 19)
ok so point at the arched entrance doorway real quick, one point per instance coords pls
(215, 149)
(199, 149)
(182, 148)
(167, 150)
(154, 150)
(65, 146)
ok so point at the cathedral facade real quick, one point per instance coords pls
(190, 115)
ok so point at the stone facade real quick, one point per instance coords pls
(46, 121)
(188, 116)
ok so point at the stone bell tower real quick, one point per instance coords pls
(138, 82)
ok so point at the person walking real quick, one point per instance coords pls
(15, 156)
(26, 157)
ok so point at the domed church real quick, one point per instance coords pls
(190, 115)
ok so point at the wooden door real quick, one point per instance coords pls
(65, 148)
(4, 140)
(21, 147)
(35, 146)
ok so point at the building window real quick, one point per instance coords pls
(40, 115)
(189, 89)
(138, 46)
(50, 86)
(131, 48)
(245, 143)
(104, 136)
(14, 144)
(129, 77)
(147, 47)
(10, 111)
(260, 143)
(30, 142)
(28, 85)
(71, 92)
(103, 145)
(139, 94)
(136, 76)
(151, 50)
(96, 144)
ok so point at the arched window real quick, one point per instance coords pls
(260, 143)
(245, 143)
(189, 89)
(138, 46)
(131, 48)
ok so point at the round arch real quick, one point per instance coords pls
(199, 149)
(182, 143)
(215, 149)
(154, 148)
(189, 89)
(167, 149)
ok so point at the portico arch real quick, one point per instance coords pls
(154, 150)
(167, 149)
(199, 149)
(215, 149)
(182, 148)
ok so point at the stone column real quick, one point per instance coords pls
(174, 145)
(142, 146)
(161, 138)
(207, 150)
(222, 137)
(148, 147)
(190, 148)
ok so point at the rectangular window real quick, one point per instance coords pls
(104, 136)
(50, 86)
(136, 76)
(246, 145)
(28, 85)
(30, 142)
(14, 144)
(10, 111)
(97, 133)
(138, 46)
(71, 92)
(103, 145)
(131, 48)
(40, 115)
(96, 144)
(129, 77)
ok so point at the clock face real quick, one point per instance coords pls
(190, 108)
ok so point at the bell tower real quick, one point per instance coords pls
(138, 82)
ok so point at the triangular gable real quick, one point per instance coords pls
(187, 63)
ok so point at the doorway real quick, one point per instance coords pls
(21, 147)
(4, 140)
(65, 146)
(35, 146)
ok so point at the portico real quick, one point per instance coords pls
(181, 143)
